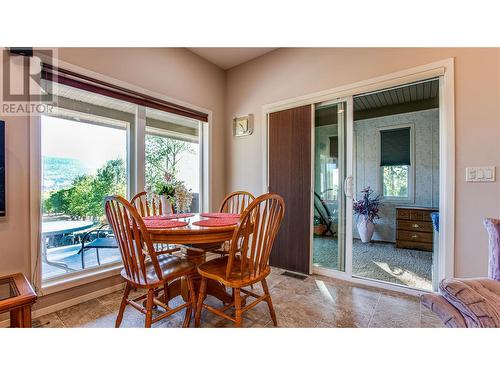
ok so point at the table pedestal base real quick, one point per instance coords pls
(179, 287)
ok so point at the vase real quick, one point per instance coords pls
(365, 229)
(166, 205)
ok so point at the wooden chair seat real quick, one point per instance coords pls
(216, 270)
(171, 267)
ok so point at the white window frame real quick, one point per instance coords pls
(136, 164)
(444, 69)
(186, 137)
(410, 199)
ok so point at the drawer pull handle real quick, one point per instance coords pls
(414, 236)
(415, 226)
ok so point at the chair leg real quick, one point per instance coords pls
(192, 302)
(122, 306)
(166, 296)
(269, 302)
(237, 306)
(83, 259)
(97, 254)
(149, 308)
(201, 298)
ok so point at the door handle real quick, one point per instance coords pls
(348, 187)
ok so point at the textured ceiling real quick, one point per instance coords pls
(399, 95)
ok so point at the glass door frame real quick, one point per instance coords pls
(346, 189)
(444, 69)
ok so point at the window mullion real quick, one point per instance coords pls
(140, 150)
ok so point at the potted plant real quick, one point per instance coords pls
(367, 209)
(173, 193)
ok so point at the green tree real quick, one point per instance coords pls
(395, 181)
(84, 199)
(162, 156)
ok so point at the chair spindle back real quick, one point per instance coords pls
(254, 236)
(132, 237)
(149, 204)
(236, 202)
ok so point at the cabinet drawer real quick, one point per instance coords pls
(414, 236)
(415, 226)
(420, 215)
(404, 214)
(414, 245)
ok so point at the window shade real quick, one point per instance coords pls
(395, 147)
(82, 82)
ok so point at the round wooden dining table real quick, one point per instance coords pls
(198, 240)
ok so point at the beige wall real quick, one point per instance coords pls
(174, 72)
(288, 73)
(281, 74)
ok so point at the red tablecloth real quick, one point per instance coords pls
(159, 224)
(220, 215)
(167, 217)
(217, 222)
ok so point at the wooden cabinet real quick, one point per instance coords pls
(414, 228)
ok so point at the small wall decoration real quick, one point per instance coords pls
(242, 126)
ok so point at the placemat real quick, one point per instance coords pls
(164, 224)
(216, 222)
(221, 215)
(167, 217)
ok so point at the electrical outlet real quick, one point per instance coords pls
(480, 174)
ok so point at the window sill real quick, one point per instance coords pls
(81, 278)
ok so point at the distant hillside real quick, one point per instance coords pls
(59, 173)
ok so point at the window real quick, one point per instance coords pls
(90, 147)
(395, 181)
(173, 146)
(395, 162)
(84, 158)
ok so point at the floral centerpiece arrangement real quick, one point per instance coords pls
(367, 208)
(173, 193)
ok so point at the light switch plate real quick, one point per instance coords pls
(480, 174)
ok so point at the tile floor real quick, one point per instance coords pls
(315, 302)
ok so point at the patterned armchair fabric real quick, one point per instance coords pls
(472, 303)
(493, 228)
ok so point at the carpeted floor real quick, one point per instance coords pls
(380, 261)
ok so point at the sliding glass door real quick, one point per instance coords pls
(331, 201)
(376, 165)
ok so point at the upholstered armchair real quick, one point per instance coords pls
(471, 302)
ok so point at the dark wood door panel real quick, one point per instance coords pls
(290, 176)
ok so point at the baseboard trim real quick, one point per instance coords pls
(68, 303)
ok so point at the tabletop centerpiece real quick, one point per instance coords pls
(173, 194)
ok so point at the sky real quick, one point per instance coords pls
(91, 144)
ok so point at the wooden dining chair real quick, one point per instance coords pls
(143, 268)
(236, 202)
(248, 260)
(149, 205)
